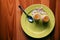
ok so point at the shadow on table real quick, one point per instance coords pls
(50, 36)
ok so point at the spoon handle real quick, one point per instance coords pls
(23, 10)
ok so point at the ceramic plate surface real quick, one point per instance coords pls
(37, 30)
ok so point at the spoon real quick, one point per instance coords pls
(30, 19)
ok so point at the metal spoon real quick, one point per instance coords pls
(30, 19)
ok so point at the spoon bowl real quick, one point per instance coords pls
(30, 19)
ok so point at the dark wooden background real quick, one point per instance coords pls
(10, 14)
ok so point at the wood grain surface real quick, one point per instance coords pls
(10, 16)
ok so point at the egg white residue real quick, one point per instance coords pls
(41, 11)
(34, 11)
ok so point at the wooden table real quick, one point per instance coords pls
(10, 14)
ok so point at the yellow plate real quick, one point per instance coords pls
(37, 30)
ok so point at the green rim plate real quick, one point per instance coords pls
(37, 30)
